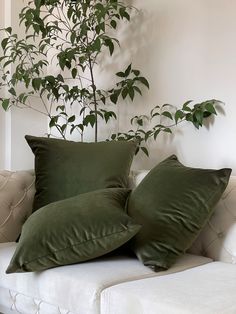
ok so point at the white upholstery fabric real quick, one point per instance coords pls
(19, 303)
(207, 289)
(73, 289)
(16, 199)
(218, 239)
(136, 177)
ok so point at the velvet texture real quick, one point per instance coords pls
(173, 203)
(74, 230)
(65, 168)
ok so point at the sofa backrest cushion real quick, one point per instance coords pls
(218, 239)
(16, 199)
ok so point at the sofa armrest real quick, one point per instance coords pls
(17, 191)
(218, 238)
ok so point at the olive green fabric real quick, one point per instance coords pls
(74, 230)
(172, 203)
(65, 168)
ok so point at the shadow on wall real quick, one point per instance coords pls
(136, 41)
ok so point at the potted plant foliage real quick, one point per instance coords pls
(74, 34)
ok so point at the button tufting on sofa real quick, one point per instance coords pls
(217, 239)
(16, 199)
(18, 302)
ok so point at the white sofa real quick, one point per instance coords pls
(201, 282)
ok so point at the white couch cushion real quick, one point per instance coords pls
(207, 289)
(16, 199)
(74, 288)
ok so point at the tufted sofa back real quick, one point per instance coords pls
(217, 240)
(16, 199)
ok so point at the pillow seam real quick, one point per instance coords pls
(75, 244)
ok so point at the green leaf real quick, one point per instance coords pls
(137, 89)
(167, 114)
(113, 24)
(131, 93)
(179, 115)
(97, 45)
(8, 30)
(50, 79)
(155, 114)
(12, 91)
(167, 130)
(114, 98)
(144, 149)
(4, 43)
(134, 119)
(124, 14)
(156, 133)
(120, 74)
(210, 108)
(70, 12)
(81, 127)
(108, 115)
(136, 72)
(198, 115)
(97, 29)
(63, 128)
(36, 83)
(89, 119)
(140, 121)
(37, 3)
(166, 105)
(186, 107)
(154, 109)
(110, 45)
(144, 81)
(5, 104)
(73, 37)
(189, 117)
(128, 70)
(62, 108)
(148, 135)
(60, 78)
(74, 73)
(71, 119)
(53, 121)
(124, 92)
(7, 63)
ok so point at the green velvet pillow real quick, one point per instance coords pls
(173, 203)
(74, 230)
(65, 168)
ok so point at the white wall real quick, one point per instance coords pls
(5, 118)
(187, 50)
(2, 116)
(17, 123)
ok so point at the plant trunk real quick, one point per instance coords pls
(94, 98)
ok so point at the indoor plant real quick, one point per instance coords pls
(74, 35)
